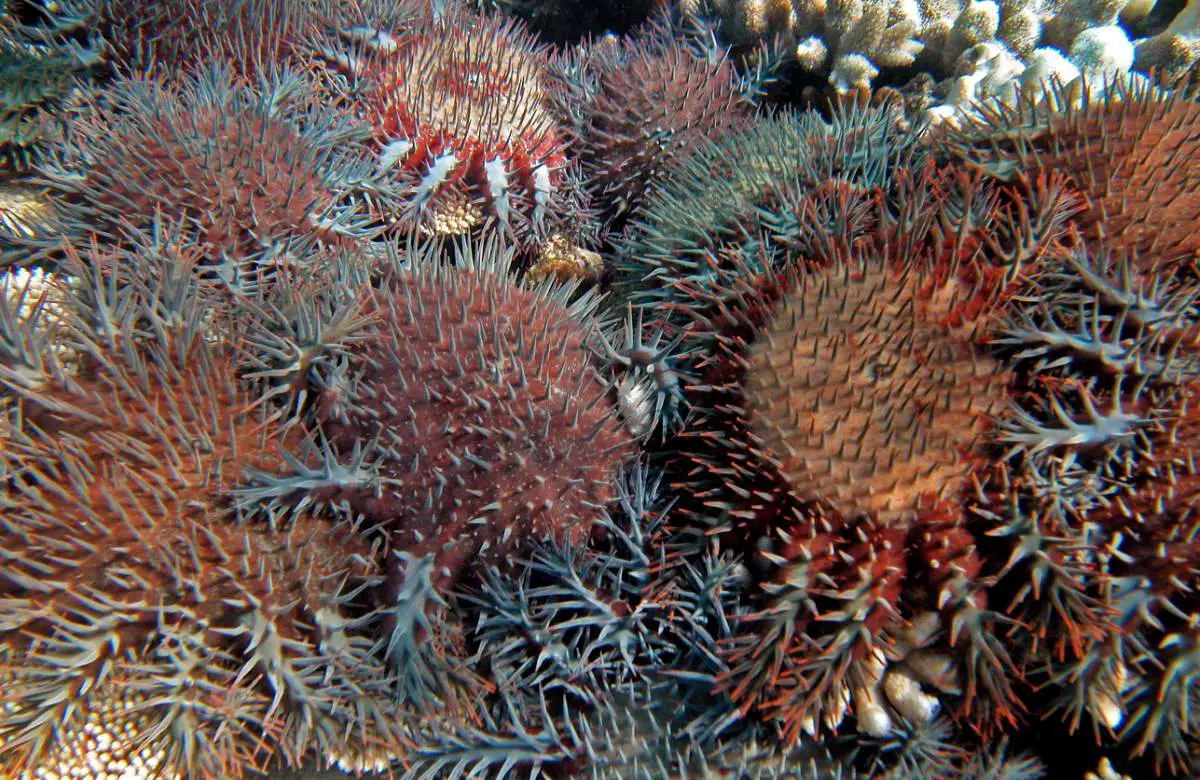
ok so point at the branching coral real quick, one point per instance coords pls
(971, 52)
(850, 41)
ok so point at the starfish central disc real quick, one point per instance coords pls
(484, 82)
(863, 396)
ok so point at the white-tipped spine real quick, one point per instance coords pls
(375, 40)
(395, 151)
(497, 180)
(543, 188)
(437, 175)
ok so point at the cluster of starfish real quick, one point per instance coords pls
(379, 388)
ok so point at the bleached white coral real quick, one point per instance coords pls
(1102, 51)
(1075, 16)
(863, 36)
(978, 22)
(975, 50)
(1175, 51)
(852, 72)
(811, 53)
(1045, 68)
(852, 39)
(989, 71)
(1021, 24)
